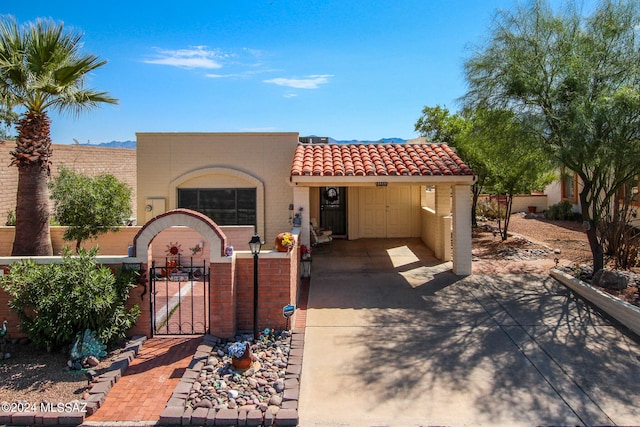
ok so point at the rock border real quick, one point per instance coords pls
(175, 413)
(625, 313)
(97, 394)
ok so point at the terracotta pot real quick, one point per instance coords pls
(243, 362)
(279, 246)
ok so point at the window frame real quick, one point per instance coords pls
(236, 209)
(635, 198)
(563, 185)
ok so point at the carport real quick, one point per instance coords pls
(412, 190)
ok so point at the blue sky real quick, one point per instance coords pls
(345, 69)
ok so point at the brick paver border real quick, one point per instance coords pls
(176, 413)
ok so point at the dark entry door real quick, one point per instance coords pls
(180, 297)
(333, 209)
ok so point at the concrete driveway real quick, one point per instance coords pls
(393, 338)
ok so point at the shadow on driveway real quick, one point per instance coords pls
(402, 342)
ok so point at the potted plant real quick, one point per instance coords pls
(284, 242)
(240, 353)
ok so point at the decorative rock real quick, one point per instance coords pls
(610, 280)
(219, 385)
(273, 409)
(275, 400)
(92, 361)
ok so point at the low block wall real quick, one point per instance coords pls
(623, 312)
(436, 233)
(231, 293)
(117, 242)
(521, 202)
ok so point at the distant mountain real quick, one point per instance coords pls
(380, 141)
(114, 144)
(132, 144)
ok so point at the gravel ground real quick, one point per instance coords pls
(533, 245)
(35, 376)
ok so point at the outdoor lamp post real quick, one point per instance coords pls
(255, 244)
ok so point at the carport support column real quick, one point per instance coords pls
(462, 230)
(443, 209)
(301, 200)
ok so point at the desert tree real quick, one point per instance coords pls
(513, 163)
(574, 81)
(89, 206)
(438, 124)
(498, 149)
(42, 68)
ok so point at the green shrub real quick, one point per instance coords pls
(11, 219)
(489, 209)
(56, 301)
(560, 211)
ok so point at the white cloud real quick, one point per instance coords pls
(243, 74)
(194, 57)
(309, 82)
(222, 76)
(290, 95)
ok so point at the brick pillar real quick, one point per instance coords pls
(141, 295)
(222, 308)
(462, 230)
(13, 321)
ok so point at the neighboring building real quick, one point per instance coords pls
(89, 160)
(356, 190)
(566, 188)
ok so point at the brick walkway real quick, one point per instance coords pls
(143, 391)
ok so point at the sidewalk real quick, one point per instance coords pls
(144, 389)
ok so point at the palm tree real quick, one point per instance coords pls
(41, 68)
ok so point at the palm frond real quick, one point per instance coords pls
(42, 67)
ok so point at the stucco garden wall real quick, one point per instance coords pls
(117, 243)
(436, 233)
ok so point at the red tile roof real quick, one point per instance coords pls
(377, 160)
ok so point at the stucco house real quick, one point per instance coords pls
(200, 194)
(355, 190)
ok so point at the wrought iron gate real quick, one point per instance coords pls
(179, 297)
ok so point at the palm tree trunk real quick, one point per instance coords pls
(32, 212)
(32, 157)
